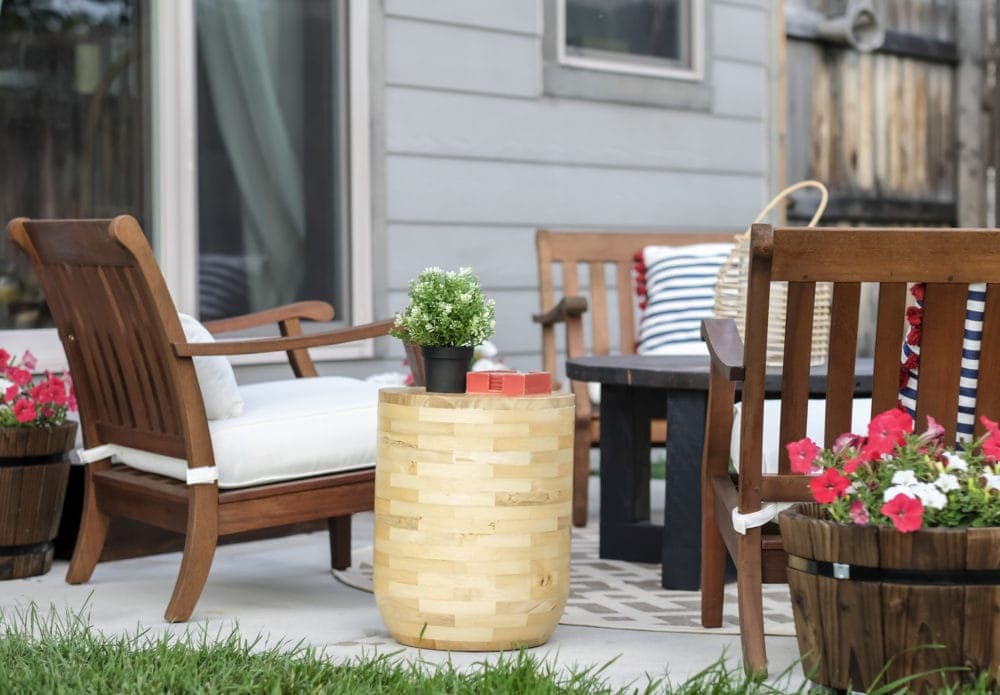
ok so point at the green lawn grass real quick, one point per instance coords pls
(48, 652)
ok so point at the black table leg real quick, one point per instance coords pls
(682, 518)
(626, 532)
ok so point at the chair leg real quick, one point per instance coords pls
(713, 560)
(93, 532)
(750, 598)
(581, 471)
(199, 550)
(340, 541)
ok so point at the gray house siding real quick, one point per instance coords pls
(477, 155)
(471, 154)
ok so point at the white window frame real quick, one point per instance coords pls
(694, 73)
(174, 184)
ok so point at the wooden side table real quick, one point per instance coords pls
(473, 497)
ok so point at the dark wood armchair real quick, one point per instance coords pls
(583, 305)
(947, 260)
(140, 402)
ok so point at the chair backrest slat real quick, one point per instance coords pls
(890, 322)
(940, 259)
(840, 371)
(626, 312)
(988, 387)
(117, 323)
(616, 249)
(795, 361)
(598, 308)
(941, 354)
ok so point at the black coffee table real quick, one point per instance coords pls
(634, 390)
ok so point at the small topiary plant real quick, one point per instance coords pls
(447, 308)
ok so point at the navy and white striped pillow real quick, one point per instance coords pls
(970, 365)
(680, 292)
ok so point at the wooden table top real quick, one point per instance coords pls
(688, 372)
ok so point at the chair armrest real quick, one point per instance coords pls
(312, 311)
(567, 308)
(724, 346)
(250, 346)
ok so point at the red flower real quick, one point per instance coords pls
(851, 464)
(11, 393)
(18, 376)
(906, 513)
(918, 291)
(914, 315)
(4, 358)
(802, 455)
(829, 486)
(887, 431)
(56, 390)
(24, 411)
(991, 427)
(991, 448)
(40, 393)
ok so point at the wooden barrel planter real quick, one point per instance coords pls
(473, 496)
(867, 596)
(34, 469)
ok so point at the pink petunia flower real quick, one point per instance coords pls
(28, 360)
(19, 376)
(802, 455)
(888, 430)
(829, 486)
(4, 358)
(905, 512)
(11, 393)
(859, 513)
(24, 411)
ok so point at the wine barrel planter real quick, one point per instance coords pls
(472, 518)
(865, 596)
(34, 469)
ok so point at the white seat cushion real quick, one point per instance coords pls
(219, 390)
(815, 424)
(289, 429)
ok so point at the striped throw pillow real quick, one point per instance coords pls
(910, 370)
(679, 284)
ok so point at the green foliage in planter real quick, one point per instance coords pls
(447, 308)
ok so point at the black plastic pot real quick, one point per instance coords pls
(445, 368)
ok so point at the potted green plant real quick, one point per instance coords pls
(893, 571)
(447, 317)
(34, 438)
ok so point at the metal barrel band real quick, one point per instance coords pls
(12, 461)
(861, 573)
(30, 549)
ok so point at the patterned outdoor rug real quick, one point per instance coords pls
(624, 595)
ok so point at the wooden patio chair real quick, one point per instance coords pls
(947, 260)
(600, 254)
(303, 449)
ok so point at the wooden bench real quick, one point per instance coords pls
(589, 255)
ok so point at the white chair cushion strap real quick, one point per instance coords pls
(201, 475)
(769, 512)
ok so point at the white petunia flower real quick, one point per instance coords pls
(992, 481)
(930, 496)
(904, 478)
(946, 482)
(955, 462)
(896, 490)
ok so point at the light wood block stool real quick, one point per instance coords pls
(472, 517)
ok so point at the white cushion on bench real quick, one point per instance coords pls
(289, 429)
(815, 424)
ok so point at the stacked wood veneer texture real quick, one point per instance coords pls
(472, 518)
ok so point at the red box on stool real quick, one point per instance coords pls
(508, 383)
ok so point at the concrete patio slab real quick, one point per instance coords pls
(283, 589)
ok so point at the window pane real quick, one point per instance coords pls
(272, 144)
(72, 125)
(653, 31)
